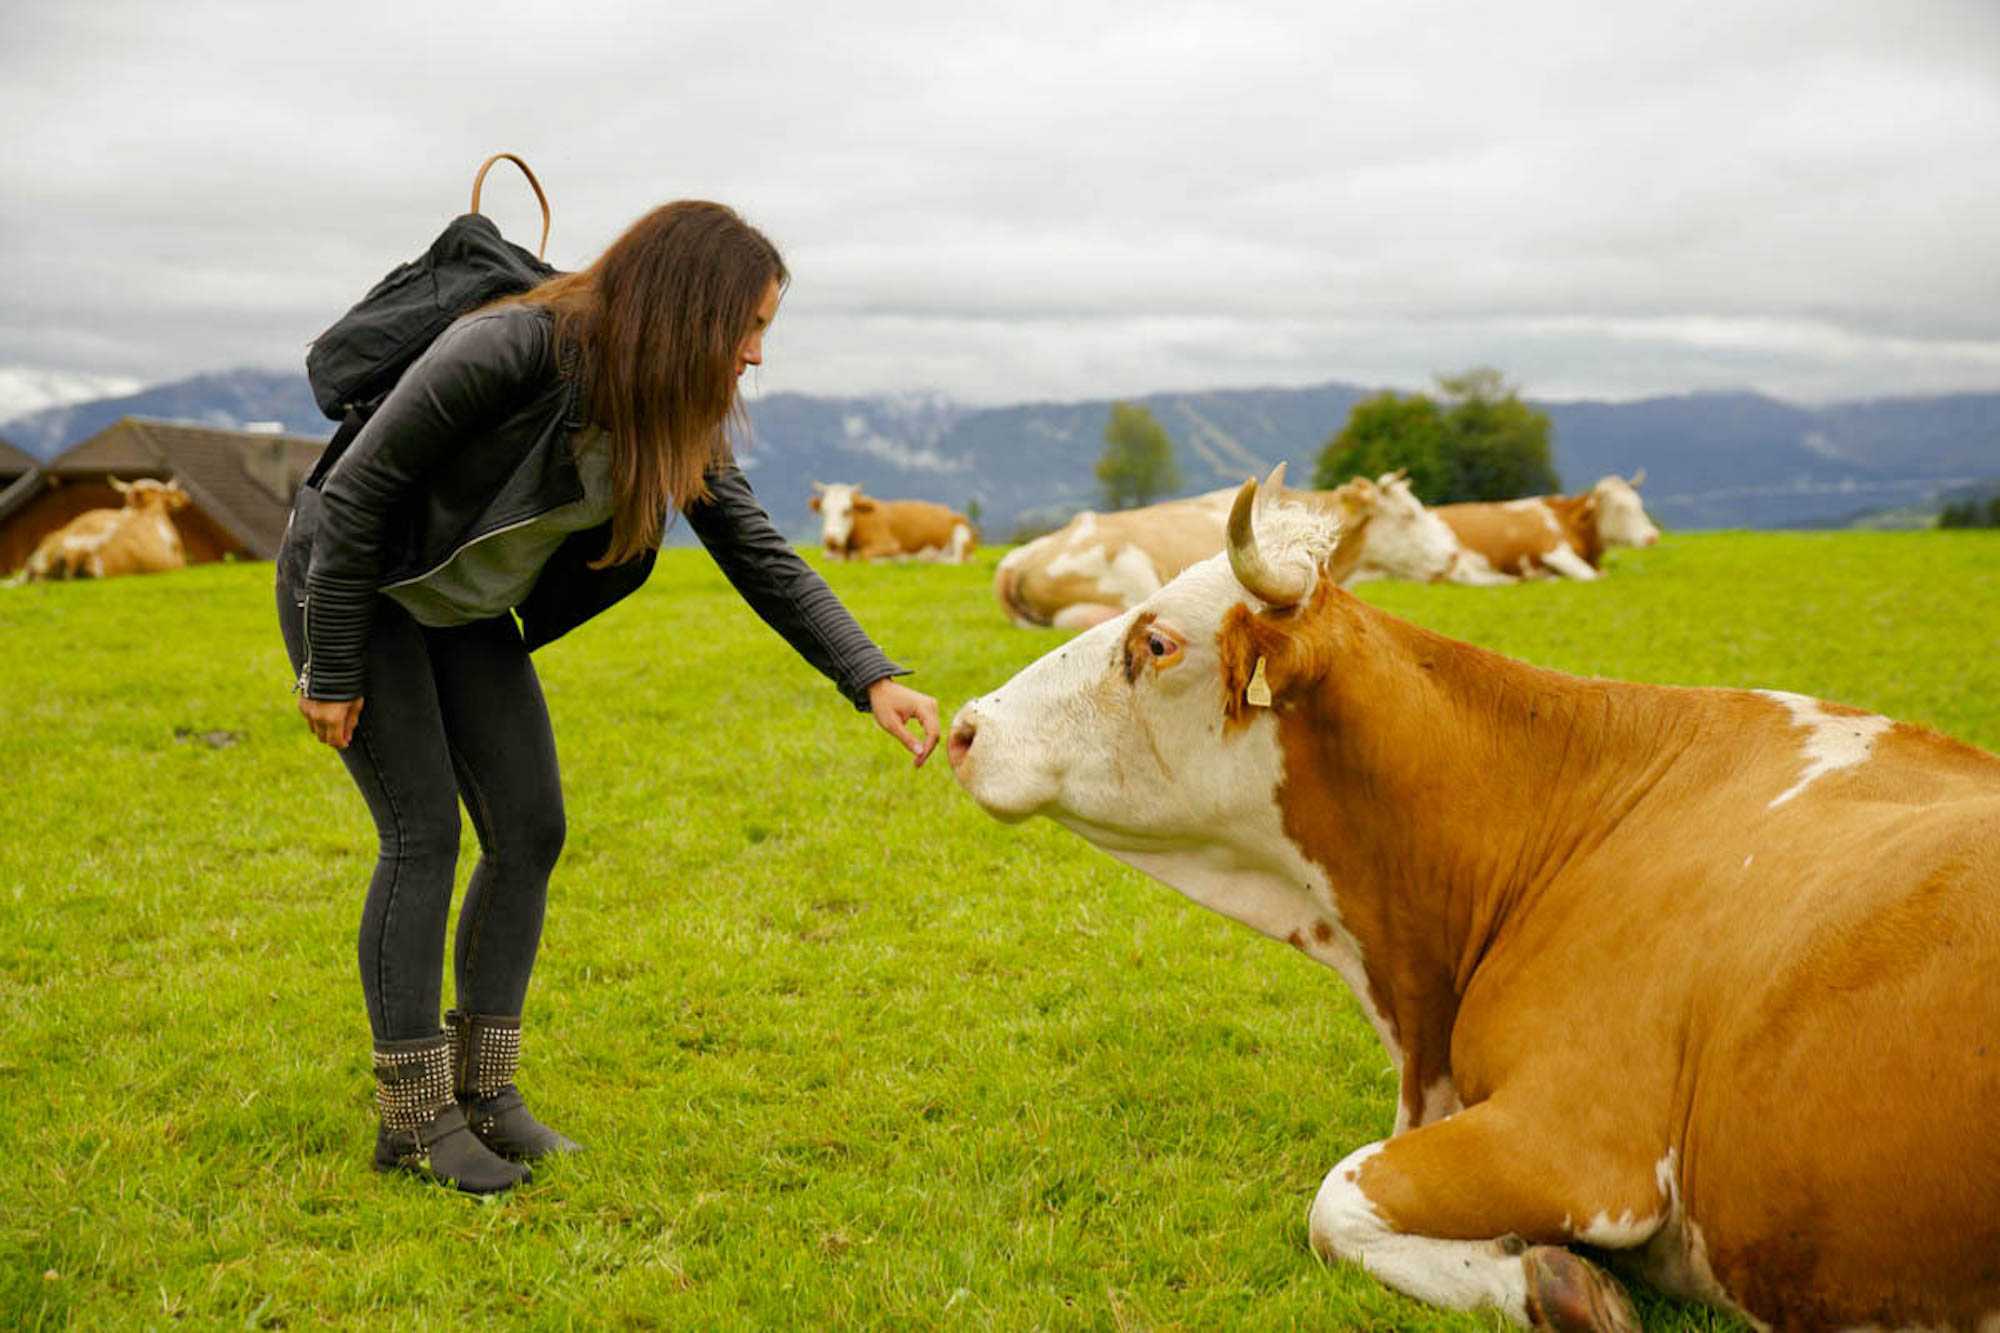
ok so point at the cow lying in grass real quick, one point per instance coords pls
(854, 526)
(1097, 565)
(101, 543)
(1702, 978)
(1553, 534)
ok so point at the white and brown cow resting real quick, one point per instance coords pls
(1546, 535)
(1706, 979)
(140, 538)
(1097, 565)
(855, 526)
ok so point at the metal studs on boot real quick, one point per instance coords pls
(423, 1127)
(486, 1050)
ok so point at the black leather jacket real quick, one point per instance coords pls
(476, 438)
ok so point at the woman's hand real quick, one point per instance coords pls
(894, 706)
(333, 720)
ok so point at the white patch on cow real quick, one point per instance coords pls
(961, 542)
(1454, 1274)
(1834, 742)
(1123, 580)
(1748, 859)
(1631, 1230)
(1261, 880)
(1404, 539)
(1621, 517)
(1565, 561)
(836, 515)
(1522, 506)
(164, 526)
(1473, 569)
(1440, 1101)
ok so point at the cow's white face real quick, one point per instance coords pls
(836, 515)
(1621, 518)
(1120, 734)
(1405, 539)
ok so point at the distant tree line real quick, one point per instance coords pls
(1480, 442)
(1475, 441)
(1973, 513)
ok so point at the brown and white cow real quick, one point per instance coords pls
(1553, 534)
(1705, 977)
(1098, 565)
(854, 526)
(101, 543)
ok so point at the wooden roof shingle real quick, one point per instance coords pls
(244, 480)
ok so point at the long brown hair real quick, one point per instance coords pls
(658, 319)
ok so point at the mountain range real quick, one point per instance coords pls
(1712, 460)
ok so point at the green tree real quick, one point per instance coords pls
(1384, 433)
(1498, 445)
(1137, 464)
(1481, 443)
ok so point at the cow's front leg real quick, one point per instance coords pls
(1569, 564)
(1473, 1211)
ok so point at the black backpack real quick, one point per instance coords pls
(355, 363)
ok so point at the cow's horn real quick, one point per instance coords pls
(1275, 483)
(1252, 570)
(1639, 478)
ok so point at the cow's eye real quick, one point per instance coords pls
(1164, 649)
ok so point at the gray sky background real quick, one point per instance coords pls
(1013, 202)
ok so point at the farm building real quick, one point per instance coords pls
(14, 463)
(239, 483)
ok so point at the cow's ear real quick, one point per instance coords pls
(863, 505)
(1264, 662)
(1346, 552)
(812, 502)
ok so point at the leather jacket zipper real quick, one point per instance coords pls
(474, 541)
(304, 682)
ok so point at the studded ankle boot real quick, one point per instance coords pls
(486, 1053)
(423, 1127)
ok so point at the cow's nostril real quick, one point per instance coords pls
(960, 743)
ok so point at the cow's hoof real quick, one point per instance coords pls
(1574, 1295)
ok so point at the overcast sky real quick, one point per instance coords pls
(1010, 202)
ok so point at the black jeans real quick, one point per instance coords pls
(449, 714)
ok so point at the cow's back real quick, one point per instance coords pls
(1513, 535)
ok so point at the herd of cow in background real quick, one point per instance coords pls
(1097, 566)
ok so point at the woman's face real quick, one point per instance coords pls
(750, 352)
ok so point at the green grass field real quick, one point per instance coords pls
(845, 1051)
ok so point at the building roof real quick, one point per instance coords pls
(243, 480)
(15, 462)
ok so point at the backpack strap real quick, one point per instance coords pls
(540, 198)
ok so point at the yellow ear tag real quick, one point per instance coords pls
(1258, 691)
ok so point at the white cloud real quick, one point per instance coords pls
(1055, 201)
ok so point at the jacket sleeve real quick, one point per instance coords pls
(473, 375)
(783, 589)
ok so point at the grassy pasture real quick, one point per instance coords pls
(845, 1051)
